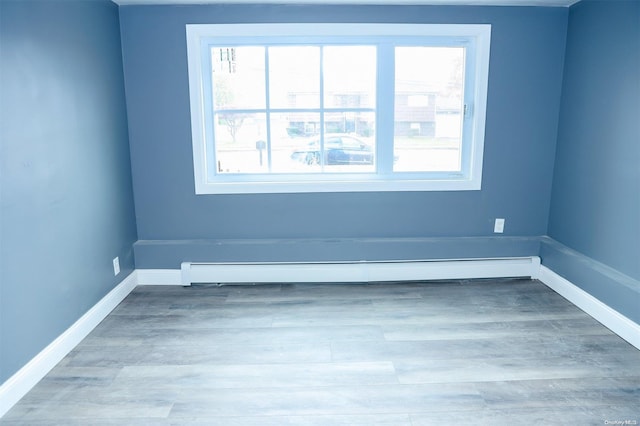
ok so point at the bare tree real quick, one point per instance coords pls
(224, 93)
(233, 121)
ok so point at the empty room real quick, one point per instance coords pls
(319, 212)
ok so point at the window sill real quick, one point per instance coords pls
(336, 186)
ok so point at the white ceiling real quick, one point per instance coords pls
(548, 3)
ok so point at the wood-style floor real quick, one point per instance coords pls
(461, 352)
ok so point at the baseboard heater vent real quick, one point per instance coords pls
(327, 272)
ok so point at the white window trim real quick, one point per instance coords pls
(473, 181)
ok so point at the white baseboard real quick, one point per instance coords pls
(28, 376)
(159, 277)
(610, 318)
(318, 272)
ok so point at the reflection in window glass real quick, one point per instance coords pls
(429, 88)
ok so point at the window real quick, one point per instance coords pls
(337, 107)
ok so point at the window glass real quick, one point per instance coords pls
(294, 77)
(428, 108)
(237, 140)
(349, 76)
(238, 77)
(290, 135)
(337, 107)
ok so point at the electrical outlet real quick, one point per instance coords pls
(498, 228)
(116, 266)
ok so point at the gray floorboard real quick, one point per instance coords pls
(406, 354)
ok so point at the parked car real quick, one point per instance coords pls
(338, 149)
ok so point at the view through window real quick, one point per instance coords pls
(294, 109)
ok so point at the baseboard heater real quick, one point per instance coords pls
(364, 271)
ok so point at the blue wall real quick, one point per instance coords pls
(66, 201)
(527, 53)
(595, 209)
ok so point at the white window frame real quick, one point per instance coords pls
(474, 113)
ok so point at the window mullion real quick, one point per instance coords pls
(385, 95)
(211, 167)
(322, 117)
(468, 108)
(268, 105)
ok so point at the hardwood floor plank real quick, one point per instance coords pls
(607, 348)
(342, 400)
(305, 352)
(458, 329)
(344, 420)
(541, 416)
(230, 376)
(581, 392)
(466, 370)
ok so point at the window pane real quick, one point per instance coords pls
(349, 76)
(238, 77)
(359, 124)
(337, 154)
(290, 135)
(429, 87)
(349, 142)
(241, 143)
(348, 153)
(294, 77)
